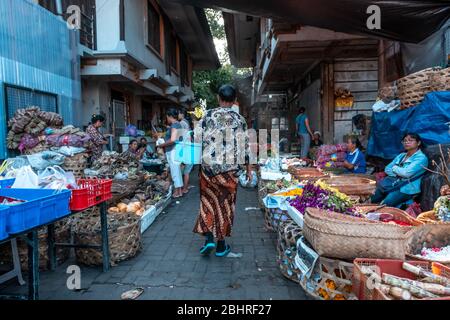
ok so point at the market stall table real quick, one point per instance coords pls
(31, 237)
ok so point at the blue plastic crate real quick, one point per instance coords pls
(42, 207)
(3, 218)
(7, 183)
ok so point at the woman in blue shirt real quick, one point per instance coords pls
(407, 169)
(355, 161)
(304, 132)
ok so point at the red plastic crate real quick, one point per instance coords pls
(91, 192)
(393, 267)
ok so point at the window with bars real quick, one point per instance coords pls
(173, 51)
(281, 124)
(19, 98)
(154, 27)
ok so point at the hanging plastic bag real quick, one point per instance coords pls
(245, 183)
(131, 131)
(26, 178)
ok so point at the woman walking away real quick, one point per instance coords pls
(98, 140)
(304, 132)
(355, 162)
(187, 168)
(172, 136)
(219, 178)
(404, 174)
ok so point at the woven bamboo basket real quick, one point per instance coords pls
(76, 164)
(288, 234)
(62, 235)
(124, 188)
(308, 174)
(440, 80)
(335, 280)
(344, 237)
(413, 88)
(398, 214)
(37, 149)
(352, 185)
(124, 232)
(429, 236)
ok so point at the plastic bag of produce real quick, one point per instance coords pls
(245, 183)
(56, 178)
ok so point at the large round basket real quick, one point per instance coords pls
(413, 88)
(76, 164)
(308, 174)
(440, 80)
(429, 236)
(62, 235)
(340, 236)
(288, 234)
(124, 232)
(352, 185)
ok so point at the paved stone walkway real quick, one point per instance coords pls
(170, 267)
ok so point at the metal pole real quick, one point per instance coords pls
(51, 247)
(33, 265)
(105, 241)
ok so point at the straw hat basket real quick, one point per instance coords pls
(124, 232)
(429, 236)
(288, 234)
(413, 88)
(76, 164)
(62, 235)
(352, 185)
(340, 236)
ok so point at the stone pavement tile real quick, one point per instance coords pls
(157, 293)
(192, 293)
(103, 292)
(275, 293)
(159, 278)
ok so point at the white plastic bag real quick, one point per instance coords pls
(55, 178)
(245, 183)
(26, 178)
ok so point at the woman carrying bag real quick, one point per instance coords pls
(404, 174)
(172, 136)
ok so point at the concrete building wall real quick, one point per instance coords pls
(108, 24)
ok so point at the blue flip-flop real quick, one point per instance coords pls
(208, 248)
(224, 253)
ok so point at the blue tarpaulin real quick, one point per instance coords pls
(429, 119)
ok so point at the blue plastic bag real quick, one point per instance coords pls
(131, 131)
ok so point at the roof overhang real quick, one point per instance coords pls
(405, 21)
(191, 25)
(242, 36)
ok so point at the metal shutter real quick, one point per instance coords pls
(18, 98)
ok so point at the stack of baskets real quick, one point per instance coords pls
(124, 231)
(412, 89)
(76, 164)
(288, 234)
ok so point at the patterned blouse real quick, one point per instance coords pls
(97, 140)
(226, 157)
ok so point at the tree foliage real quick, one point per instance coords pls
(206, 84)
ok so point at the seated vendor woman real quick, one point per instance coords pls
(404, 174)
(355, 161)
(132, 151)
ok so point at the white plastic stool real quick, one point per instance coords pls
(17, 271)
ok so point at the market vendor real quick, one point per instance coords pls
(134, 150)
(355, 161)
(173, 135)
(404, 174)
(445, 190)
(98, 139)
(148, 153)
